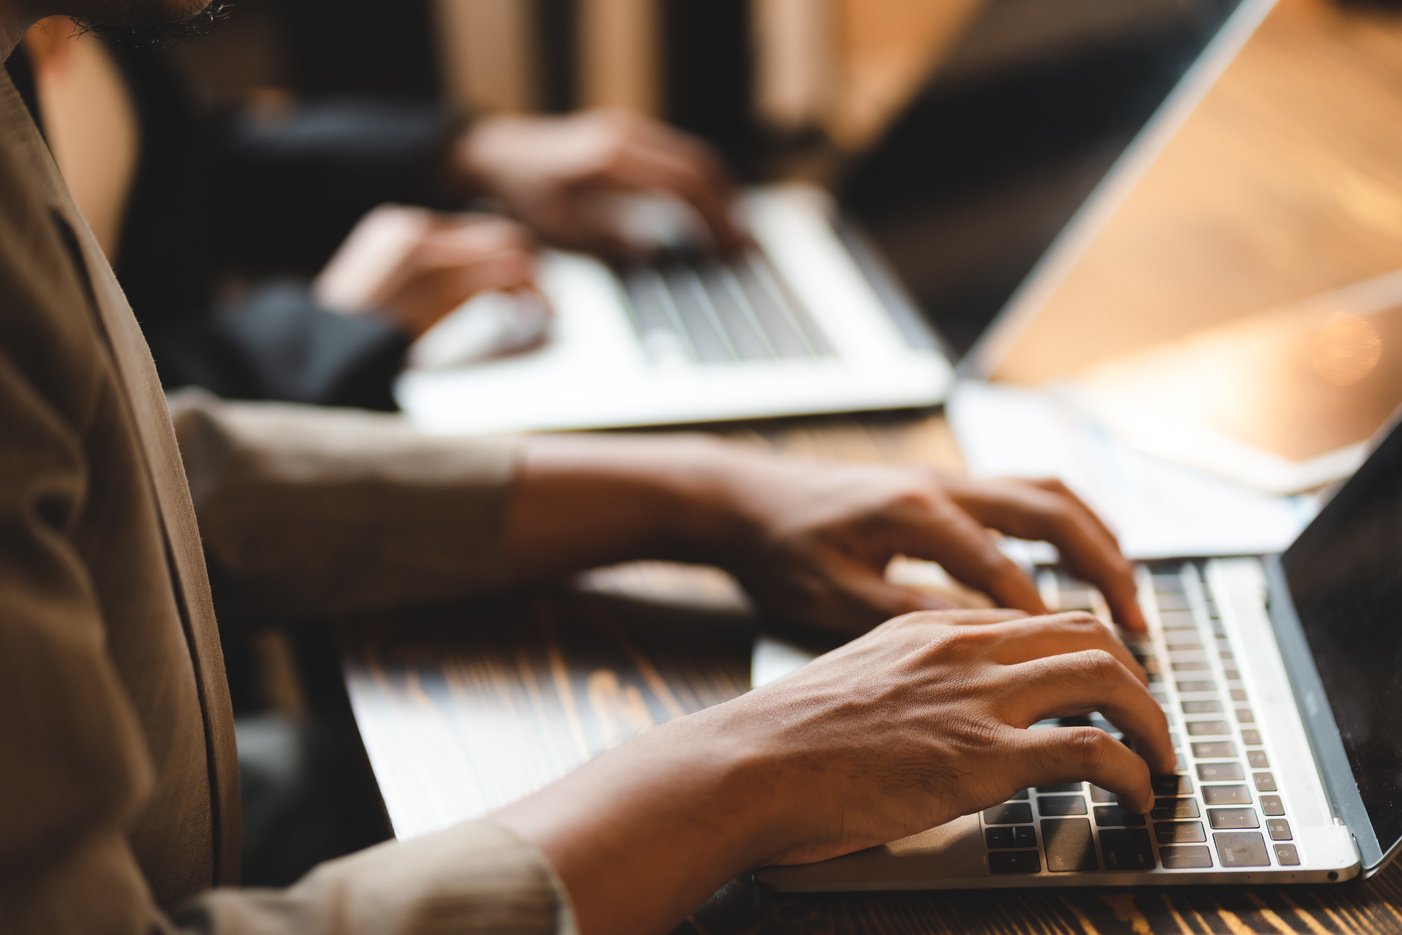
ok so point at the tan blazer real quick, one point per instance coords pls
(119, 806)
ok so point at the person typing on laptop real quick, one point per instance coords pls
(119, 805)
(344, 217)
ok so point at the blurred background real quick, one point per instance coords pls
(1282, 188)
(745, 74)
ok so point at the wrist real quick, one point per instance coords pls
(763, 809)
(587, 501)
(705, 520)
(646, 832)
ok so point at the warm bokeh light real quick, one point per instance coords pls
(1346, 349)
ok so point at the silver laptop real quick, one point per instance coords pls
(978, 195)
(1282, 682)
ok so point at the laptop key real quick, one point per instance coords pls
(1215, 750)
(1271, 805)
(1127, 849)
(1279, 829)
(1060, 787)
(1286, 855)
(1180, 832)
(1256, 759)
(1251, 737)
(1174, 808)
(998, 839)
(1195, 686)
(1265, 782)
(1012, 813)
(1007, 838)
(1245, 716)
(1059, 806)
(1172, 600)
(1177, 620)
(1098, 794)
(1233, 818)
(1171, 786)
(1208, 728)
(1014, 862)
(1226, 795)
(1076, 599)
(1068, 844)
(1220, 772)
(1117, 816)
(1185, 858)
(1241, 849)
(1202, 706)
(1019, 796)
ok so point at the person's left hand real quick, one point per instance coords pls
(810, 541)
(817, 540)
(411, 266)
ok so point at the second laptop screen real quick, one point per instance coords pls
(1017, 124)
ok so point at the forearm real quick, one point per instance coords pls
(647, 832)
(585, 501)
(309, 512)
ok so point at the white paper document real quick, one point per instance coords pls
(1158, 509)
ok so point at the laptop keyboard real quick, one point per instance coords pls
(1221, 809)
(709, 310)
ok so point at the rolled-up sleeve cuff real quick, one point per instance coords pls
(472, 878)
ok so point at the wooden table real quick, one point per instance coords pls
(467, 708)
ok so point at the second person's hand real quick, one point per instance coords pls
(548, 172)
(413, 266)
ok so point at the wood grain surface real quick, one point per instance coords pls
(464, 709)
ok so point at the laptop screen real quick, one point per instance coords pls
(1012, 131)
(1345, 578)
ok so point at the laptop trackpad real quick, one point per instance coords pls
(936, 858)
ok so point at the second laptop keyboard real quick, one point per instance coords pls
(708, 310)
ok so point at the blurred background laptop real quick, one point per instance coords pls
(966, 139)
(860, 295)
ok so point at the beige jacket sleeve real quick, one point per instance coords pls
(77, 772)
(107, 813)
(317, 511)
(476, 878)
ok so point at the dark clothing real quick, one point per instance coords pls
(22, 74)
(219, 193)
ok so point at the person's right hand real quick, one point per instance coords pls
(922, 720)
(549, 172)
(413, 266)
(926, 718)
